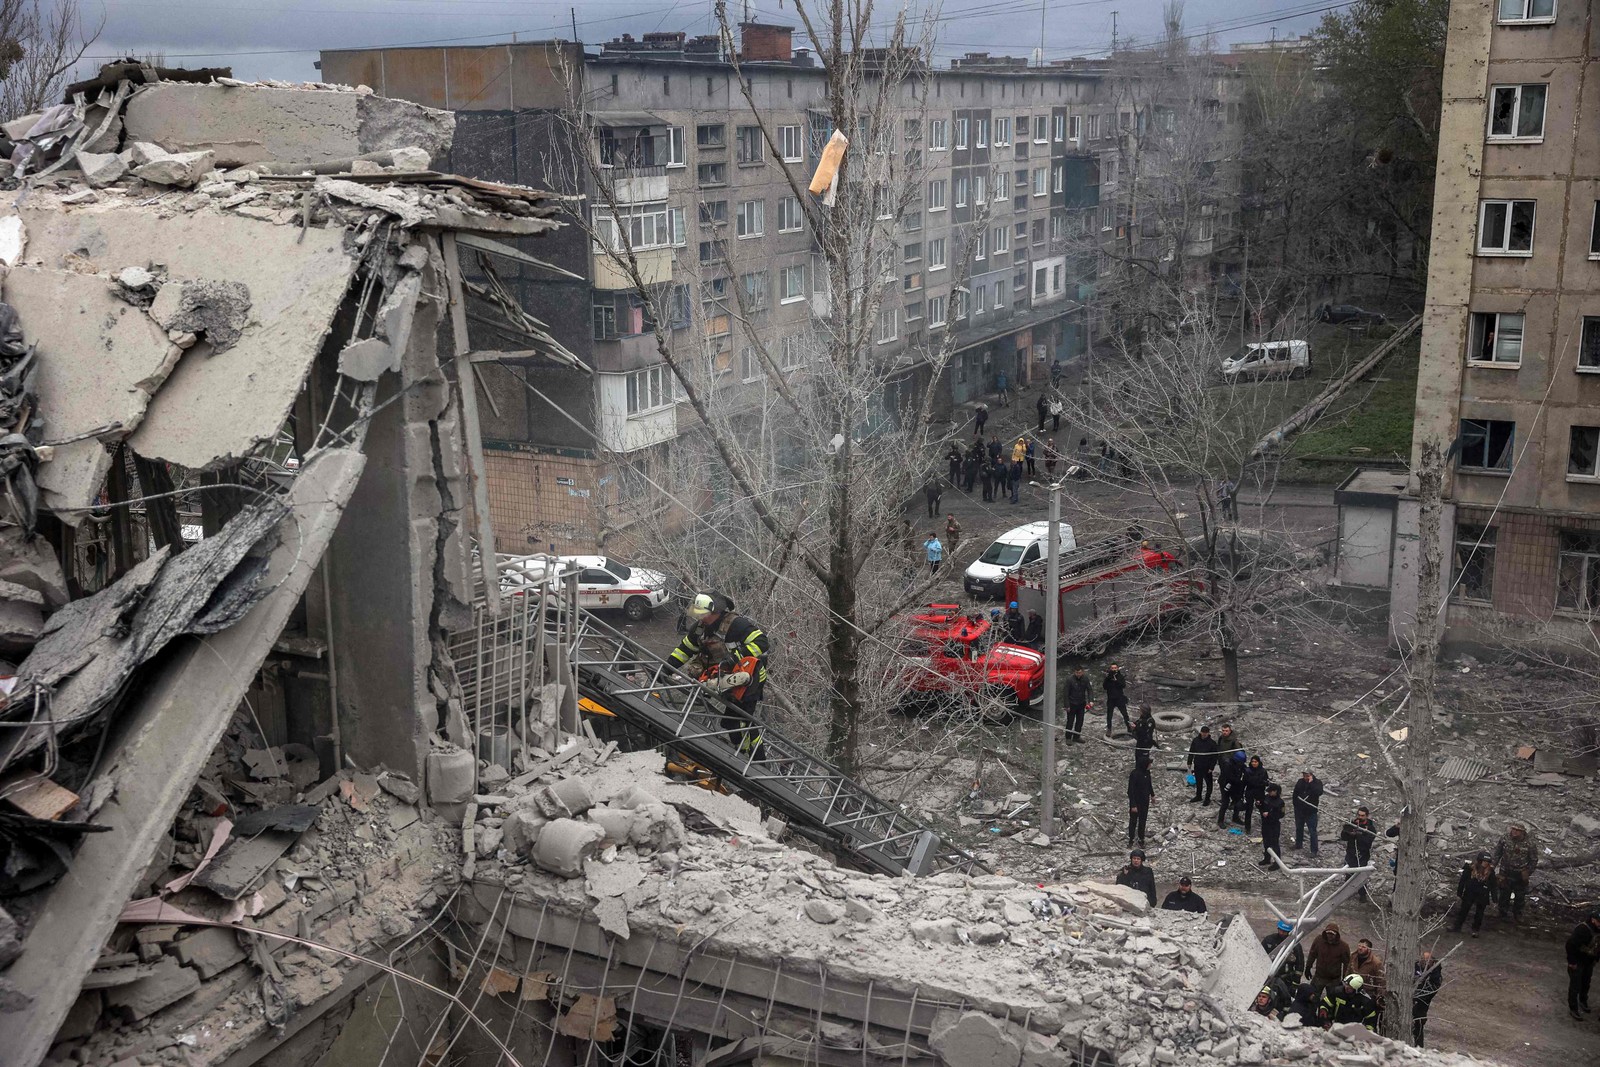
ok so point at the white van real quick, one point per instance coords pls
(1269, 359)
(986, 577)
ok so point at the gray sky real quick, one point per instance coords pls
(280, 38)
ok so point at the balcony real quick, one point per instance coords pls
(619, 355)
(655, 267)
(638, 185)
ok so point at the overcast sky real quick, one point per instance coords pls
(280, 38)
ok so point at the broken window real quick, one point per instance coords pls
(1517, 112)
(1496, 338)
(1505, 228)
(1486, 444)
(1583, 452)
(1474, 562)
(1578, 574)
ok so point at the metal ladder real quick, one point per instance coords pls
(816, 798)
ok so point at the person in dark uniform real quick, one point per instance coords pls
(1144, 733)
(728, 654)
(1271, 807)
(1254, 789)
(1135, 875)
(1141, 790)
(1294, 964)
(1203, 758)
(1429, 977)
(1184, 898)
(1230, 783)
(1476, 889)
(1115, 685)
(1079, 696)
(1583, 946)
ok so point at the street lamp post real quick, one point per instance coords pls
(1052, 641)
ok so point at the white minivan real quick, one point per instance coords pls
(986, 577)
(1269, 359)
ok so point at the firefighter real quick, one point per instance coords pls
(1346, 1003)
(727, 653)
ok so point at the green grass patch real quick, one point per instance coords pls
(1372, 420)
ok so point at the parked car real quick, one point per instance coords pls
(953, 661)
(1342, 314)
(985, 577)
(603, 583)
(1269, 359)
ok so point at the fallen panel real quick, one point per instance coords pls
(100, 361)
(211, 407)
(242, 862)
(161, 746)
(1463, 769)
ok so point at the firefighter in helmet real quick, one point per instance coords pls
(726, 652)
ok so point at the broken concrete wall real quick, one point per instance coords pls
(245, 124)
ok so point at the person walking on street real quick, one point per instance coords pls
(1055, 373)
(1144, 733)
(1230, 784)
(1082, 457)
(934, 491)
(1429, 976)
(1015, 479)
(969, 467)
(1051, 458)
(1055, 414)
(935, 552)
(1255, 789)
(1141, 790)
(1271, 824)
(1307, 806)
(1328, 958)
(1228, 499)
(1030, 455)
(952, 530)
(1042, 406)
(952, 460)
(1583, 947)
(1184, 898)
(980, 417)
(1115, 687)
(1516, 857)
(1135, 875)
(1002, 386)
(1476, 888)
(1358, 835)
(994, 448)
(1079, 696)
(1228, 742)
(1019, 451)
(1202, 758)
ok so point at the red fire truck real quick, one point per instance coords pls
(1108, 587)
(957, 661)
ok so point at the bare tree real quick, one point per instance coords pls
(40, 42)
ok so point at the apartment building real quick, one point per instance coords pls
(1511, 337)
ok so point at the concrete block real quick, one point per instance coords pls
(1125, 897)
(990, 933)
(170, 983)
(100, 170)
(859, 912)
(183, 169)
(617, 823)
(1355, 1033)
(450, 775)
(565, 799)
(976, 1040)
(210, 951)
(1585, 825)
(823, 911)
(1242, 966)
(399, 786)
(939, 930)
(564, 844)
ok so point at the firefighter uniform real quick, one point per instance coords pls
(722, 645)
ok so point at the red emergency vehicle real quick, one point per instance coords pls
(958, 659)
(1107, 588)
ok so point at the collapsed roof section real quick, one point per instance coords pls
(226, 312)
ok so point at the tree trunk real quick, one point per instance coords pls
(844, 633)
(1230, 662)
(1412, 873)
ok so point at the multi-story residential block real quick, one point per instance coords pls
(988, 251)
(1511, 337)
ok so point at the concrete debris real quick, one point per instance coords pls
(209, 951)
(184, 169)
(167, 982)
(825, 912)
(13, 239)
(450, 774)
(565, 844)
(219, 311)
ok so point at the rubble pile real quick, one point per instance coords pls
(1029, 973)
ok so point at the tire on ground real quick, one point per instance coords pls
(1172, 721)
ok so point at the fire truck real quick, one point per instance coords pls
(955, 661)
(1107, 587)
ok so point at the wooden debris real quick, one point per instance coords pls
(37, 795)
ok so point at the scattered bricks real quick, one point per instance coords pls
(450, 775)
(170, 982)
(825, 912)
(101, 170)
(210, 951)
(156, 933)
(565, 799)
(975, 1040)
(564, 844)
(990, 933)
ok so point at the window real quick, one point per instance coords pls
(1589, 345)
(980, 246)
(1041, 281)
(911, 283)
(711, 251)
(714, 213)
(750, 368)
(1583, 452)
(1041, 179)
(1516, 113)
(958, 303)
(1057, 175)
(1058, 126)
(713, 136)
(938, 135)
(1022, 231)
(1075, 129)
(754, 286)
(679, 312)
(936, 194)
(1041, 129)
(1094, 127)
(752, 218)
(1002, 185)
(675, 156)
(1594, 233)
(791, 354)
(712, 174)
(936, 305)
(680, 229)
(791, 284)
(961, 191)
(1108, 170)
(1058, 228)
(914, 312)
(790, 216)
(980, 188)
(1505, 228)
(1527, 10)
(1496, 338)
(911, 129)
(749, 146)
(1107, 217)
(888, 324)
(980, 300)
(961, 133)
(1578, 572)
(1486, 444)
(1002, 239)
(982, 131)
(1002, 132)
(649, 390)
(1473, 562)
(1000, 295)
(604, 313)
(644, 226)
(911, 222)
(912, 253)
(936, 254)
(789, 144)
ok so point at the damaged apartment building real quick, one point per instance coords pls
(287, 780)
